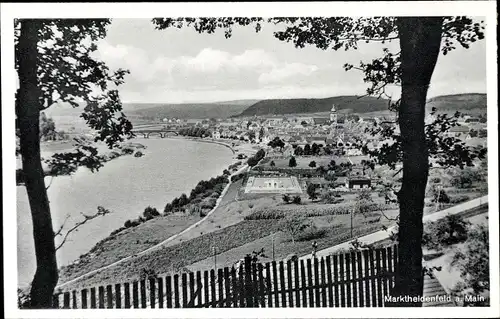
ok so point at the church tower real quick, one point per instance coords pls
(333, 115)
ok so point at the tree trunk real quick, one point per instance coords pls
(420, 40)
(28, 116)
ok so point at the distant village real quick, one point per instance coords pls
(312, 138)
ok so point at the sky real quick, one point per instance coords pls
(180, 66)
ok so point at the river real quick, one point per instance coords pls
(125, 186)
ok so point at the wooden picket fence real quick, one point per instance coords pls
(353, 279)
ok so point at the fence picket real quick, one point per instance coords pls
(101, 297)
(329, 280)
(367, 281)
(310, 283)
(109, 296)
(372, 281)
(336, 279)
(135, 294)
(282, 284)
(184, 290)
(227, 287)
(192, 296)
(118, 296)
(241, 285)
(143, 293)
(161, 295)
(390, 281)
(275, 285)
(248, 291)
(199, 288)
(168, 291)
(296, 282)
(220, 289)
(255, 286)
(126, 292)
(379, 279)
(66, 300)
(84, 298)
(268, 285)
(360, 276)
(176, 291)
(316, 283)
(303, 281)
(342, 280)
(289, 283)
(354, 280)
(323, 283)
(206, 301)
(234, 283)
(152, 292)
(212, 288)
(348, 279)
(74, 300)
(262, 290)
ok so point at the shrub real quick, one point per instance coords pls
(286, 198)
(127, 224)
(436, 180)
(445, 232)
(473, 260)
(150, 213)
(297, 200)
(265, 214)
(250, 205)
(311, 191)
(311, 232)
(459, 199)
(292, 162)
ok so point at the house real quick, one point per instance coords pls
(472, 120)
(321, 120)
(457, 131)
(358, 182)
(216, 135)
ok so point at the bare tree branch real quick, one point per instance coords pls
(101, 211)
(58, 232)
(50, 183)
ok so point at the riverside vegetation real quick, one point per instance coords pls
(140, 234)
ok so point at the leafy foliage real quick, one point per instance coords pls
(311, 191)
(473, 260)
(445, 232)
(294, 224)
(292, 162)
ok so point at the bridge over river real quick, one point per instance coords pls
(158, 132)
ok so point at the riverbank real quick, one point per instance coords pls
(125, 186)
(132, 242)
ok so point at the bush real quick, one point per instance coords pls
(436, 180)
(150, 213)
(459, 199)
(445, 232)
(265, 214)
(297, 200)
(311, 232)
(127, 224)
(286, 198)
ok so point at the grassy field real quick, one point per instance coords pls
(126, 243)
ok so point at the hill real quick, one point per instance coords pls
(344, 104)
(466, 103)
(188, 110)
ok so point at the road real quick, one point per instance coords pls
(384, 234)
